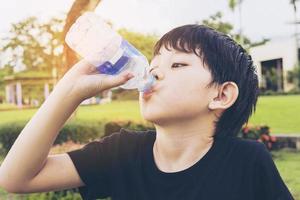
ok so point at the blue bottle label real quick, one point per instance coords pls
(109, 68)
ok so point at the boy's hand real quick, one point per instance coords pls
(84, 81)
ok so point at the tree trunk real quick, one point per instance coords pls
(77, 9)
(69, 56)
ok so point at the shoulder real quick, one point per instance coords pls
(128, 139)
(126, 134)
(249, 148)
(247, 143)
(129, 135)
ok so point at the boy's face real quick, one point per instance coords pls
(181, 91)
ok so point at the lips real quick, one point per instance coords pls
(148, 94)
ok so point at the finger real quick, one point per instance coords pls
(109, 81)
(116, 80)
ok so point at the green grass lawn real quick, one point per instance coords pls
(4, 106)
(281, 113)
(117, 110)
(287, 162)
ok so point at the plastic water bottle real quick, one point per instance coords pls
(100, 45)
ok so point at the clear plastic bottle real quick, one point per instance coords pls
(100, 45)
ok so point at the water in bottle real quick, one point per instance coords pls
(93, 39)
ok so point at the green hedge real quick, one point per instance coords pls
(84, 132)
(68, 194)
(79, 132)
(276, 93)
(76, 131)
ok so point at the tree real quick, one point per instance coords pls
(232, 6)
(293, 76)
(293, 2)
(77, 9)
(215, 21)
(35, 45)
(6, 70)
(144, 43)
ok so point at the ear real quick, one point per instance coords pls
(226, 96)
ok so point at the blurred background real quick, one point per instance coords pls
(33, 57)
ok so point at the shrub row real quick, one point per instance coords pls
(84, 132)
(76, 131)
(275, 93)
(79, 132)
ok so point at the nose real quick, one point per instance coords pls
(157, 73)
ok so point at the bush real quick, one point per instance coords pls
(9, 133)
(276, 93)
(68, 194)
(259, 133)
(78, 132)
(71, 194)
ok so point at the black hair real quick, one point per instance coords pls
(227, 61)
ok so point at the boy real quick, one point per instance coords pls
(205, 91)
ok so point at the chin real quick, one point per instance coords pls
(155, 112)
(159, 118)
(152, 115)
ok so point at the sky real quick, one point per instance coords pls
(260, 18)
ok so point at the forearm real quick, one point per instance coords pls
(30, 150)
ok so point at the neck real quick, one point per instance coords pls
(182, 144)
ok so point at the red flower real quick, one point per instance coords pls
(269, 145)
(246, 130)
(273, 138)
(265, 137)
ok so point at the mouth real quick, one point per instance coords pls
(148, 94)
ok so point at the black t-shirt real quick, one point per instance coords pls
(122, 166)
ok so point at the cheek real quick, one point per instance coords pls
(184, 102)
(190, 101)
(188, 92)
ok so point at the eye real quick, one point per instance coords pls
(178, 65)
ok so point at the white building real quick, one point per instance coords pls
(276, 57)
